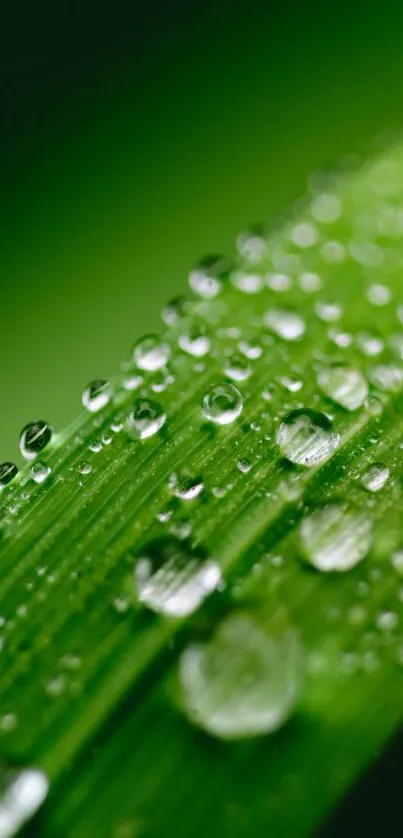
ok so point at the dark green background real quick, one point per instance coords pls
(137, 137)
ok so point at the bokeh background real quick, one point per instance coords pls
(138, 136)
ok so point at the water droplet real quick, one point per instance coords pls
(194, 340)
(252, 245)
(326, 208)
(250, 348)
(150, 353)
(336, 538)
(306, 437)
(34, 438)
(387, 621)
(366, 253)
(97, 395)
(344, 385)
(206, 279)
(146, 419)
(329, 312)
(85, 468)
(370, 345)
(278, 282)
(174, 311)
(8, 471)
(56, 686)
(22, 792)
(185, 485)
(304, 234)
(236, 367)
(378, 295)
(39, 471)
(247, 282)
(397, 561)
(222, 404)
(387, 377)
(376, 477)
(286, 324)
(333, 252)
(310, 282)
(292, 383)
(245, 681)
(244, 465)
(172, 579)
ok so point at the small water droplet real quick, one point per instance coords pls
(344, 385)
(367, 253)
(250, 348)
(252, 245)
(378, 295)
(247, 282)
(329, 312)
(376, 477)
(146, 419)
(336, 538)
(22, 792)
(397, 561)
(333, 252)
(387, 621)
(370, 345)
(304, 234)
(222, 404)
(236, 367)
(310, 282)
(8, 471)
(34, 438)
(172, 579)
(151, 353)
(286, 324)
(194, 340)
(292, 383)
(207, 277)
(306, 437)
(326, 208)
(97, 395)
(40, 471)
(185, 485)
(245, 681)
(244, 465)
(85, 468)
(174, 311)
(278, 282)
(56, 686)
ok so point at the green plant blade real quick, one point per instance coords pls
(297, 477)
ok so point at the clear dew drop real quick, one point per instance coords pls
(207, 277)
(40, 471)
(194, 340)
(309, 282)
(328, 312)
(248, 283)
(145, 419)
(22, 792)
(387, 377)
(8, 471)
(291, 383)
(185, 485)
(284, 323)
(336, 538)
(97, 395)
(245, 681)
(151, 353)
(174, 311)
(252, 245)
(344, 385)
(369, 344)
(378, 295)
(34, 438)
(172, 579)
(236, 367)
(376, 477)
(250, 348)
(278, 282)
(222, 404)
(244, 465)
(306, 437)
(304, 234)
(333, 252)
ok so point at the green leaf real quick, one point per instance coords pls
(212, 551)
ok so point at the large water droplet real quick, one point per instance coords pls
(222, 403)
(344, 385)
(22, 792)
(172, 579)
(387, 377)
(336, 537)
(97, 395)
(306, 437)
(150, 353)
(245, 681)
(145, 419)
(8, 471)
(286, 324)
(206, 279)
(34, 438)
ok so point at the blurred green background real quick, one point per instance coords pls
(136, 138)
